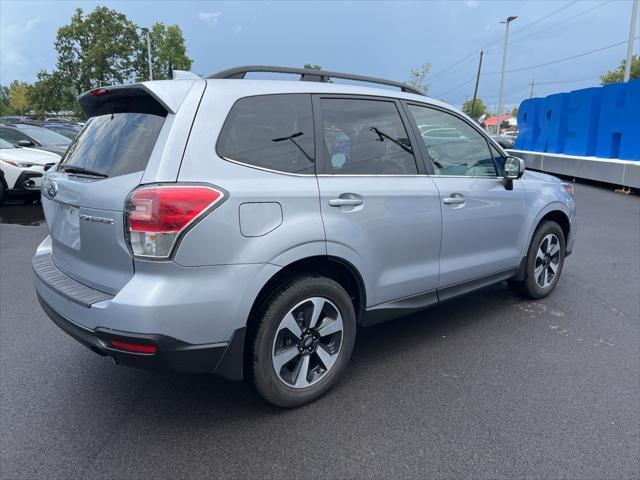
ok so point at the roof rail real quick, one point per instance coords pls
(311, 75)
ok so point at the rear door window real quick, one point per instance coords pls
(271, 131)
(365, 137)
(115, 144)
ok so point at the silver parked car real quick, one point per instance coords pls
(247, 228)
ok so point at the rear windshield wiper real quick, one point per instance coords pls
(82, 171)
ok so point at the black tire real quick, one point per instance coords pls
(3, 192)
(261, 345)
(531, 285)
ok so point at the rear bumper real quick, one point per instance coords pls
(195, 316)
(224, 359)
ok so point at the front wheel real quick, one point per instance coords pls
(545, 260)
(303, 342)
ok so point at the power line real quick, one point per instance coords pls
(562, 22)
(461, 64)
(535, 22)
(439, 74)
(454, 88)
(583, 79)
(562, 59)
(542, 19)
(443, 73)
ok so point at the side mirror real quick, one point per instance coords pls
(25, 143)
(513, 169)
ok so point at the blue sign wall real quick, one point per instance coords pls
(601, 122)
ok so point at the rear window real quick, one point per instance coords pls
(115, 144)
(46, 137)
(271, 131)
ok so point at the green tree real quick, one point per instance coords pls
(514, 112)
(52, 93)
(168, 52)
(98, 48)
(313, 66)
(19, 97)
(418, 78)
(477, 111)
(617, 75)
(5, 106)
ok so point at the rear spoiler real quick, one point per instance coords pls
(158, 97)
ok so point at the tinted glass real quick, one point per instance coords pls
(365, 137)
(499, 160)
(67, 132)
(115, 144)
(4, 144)
(46, 137)
(455, 147)
(271, 131)
(12, 135)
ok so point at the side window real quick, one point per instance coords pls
(499, 160)
(12, 135)
(271, 131)
(365, 137)
(455, 148)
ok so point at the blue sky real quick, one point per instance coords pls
(379, 38)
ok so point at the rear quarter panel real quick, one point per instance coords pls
(218, 239)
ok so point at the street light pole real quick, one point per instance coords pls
(632, 34)
(504, 65)
(149, 53)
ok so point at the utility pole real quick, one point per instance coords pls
(632, 34)
(149, 53)
(504, 64)
(533, 84)
(475, 91)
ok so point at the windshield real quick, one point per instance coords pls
(46, 137)
(115, 144)
(5, 144)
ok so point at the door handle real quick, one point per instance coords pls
(345, 202)
(454, 199)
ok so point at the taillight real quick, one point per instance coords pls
(134, 347)
(156, 216)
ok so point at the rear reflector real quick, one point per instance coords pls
(156, 216)
(134, 347)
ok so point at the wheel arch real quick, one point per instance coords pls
(336, 268)
(561, 218)
(555, 211)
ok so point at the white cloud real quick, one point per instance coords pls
(237, 29)
(15, 60)
(472, 3)
(210, 18)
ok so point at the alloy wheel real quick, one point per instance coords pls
(547, 261)
(307, 342)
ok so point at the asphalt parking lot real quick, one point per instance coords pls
(488, 386)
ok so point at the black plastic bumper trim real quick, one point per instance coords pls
(223, 359)
(61, 283)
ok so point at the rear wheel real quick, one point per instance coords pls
(304, 341)
(545, 260)
(3, 193)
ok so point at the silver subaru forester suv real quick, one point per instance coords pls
(247, 228)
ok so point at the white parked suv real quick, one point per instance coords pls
(21, 170)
